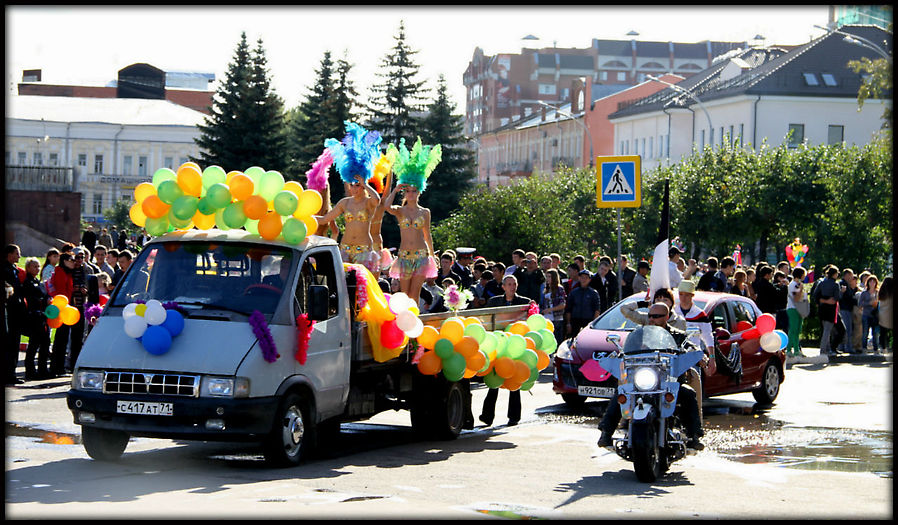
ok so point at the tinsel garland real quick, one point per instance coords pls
(303, 334)
(361, 289)
(534, 309)
(263, 334)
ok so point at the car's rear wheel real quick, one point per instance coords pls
(770, 384)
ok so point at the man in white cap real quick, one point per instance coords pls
(695, 316)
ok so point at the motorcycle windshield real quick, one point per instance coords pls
(648, 339)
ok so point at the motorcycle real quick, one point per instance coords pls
(647, 368)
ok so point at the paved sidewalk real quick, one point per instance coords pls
(812, 356)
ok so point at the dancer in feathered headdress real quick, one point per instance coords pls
(382, 180)
(316, 179)
(415, 261)
(355, 158)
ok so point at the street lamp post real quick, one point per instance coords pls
(858, 41)
(566, 114)
(689, 94)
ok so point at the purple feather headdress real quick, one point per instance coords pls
(316, 177)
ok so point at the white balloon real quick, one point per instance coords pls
(129, 311)
(398, 302)
(405, 320)
(417, 330)
(155, 314)
(770, 342)
(135, 326)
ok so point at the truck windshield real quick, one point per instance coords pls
(239, 277)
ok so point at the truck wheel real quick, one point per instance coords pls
(451, 413)
(438, 412)
(770, 385)
(573, 400)
(102, 444)
(290, 439)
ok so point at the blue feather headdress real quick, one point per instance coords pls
(415, 166)
(356, 154)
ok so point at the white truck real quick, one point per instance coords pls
(214, 384)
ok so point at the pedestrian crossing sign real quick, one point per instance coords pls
(618, 182)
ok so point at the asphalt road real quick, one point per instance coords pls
(548, 466)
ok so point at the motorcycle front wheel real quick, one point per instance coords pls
(647, 461)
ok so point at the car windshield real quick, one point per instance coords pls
(649, 338)
(238, 277)
(613, 319)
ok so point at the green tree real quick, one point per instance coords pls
(877, 83)
(455, 173)
(246, 124)
(308, 129)
(398, 99)
(119, 215)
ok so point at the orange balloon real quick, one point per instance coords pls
(467, 347)
(69, 315)
(453, 330)
(469, 373)
(428, 337)
(430, 363)
(487, 370)
(241, 186)
(549, 326)
(475, 361)
(204, 222)
(270, 226)
(190, 179)
(521, 372)
(542, 360)
(56, 322)
(137, 215)
(471, 320)
(153, 207)
(519, 327)
(191, 164)
(60, 301)
(530, 343)
(143, 190)
(311, 224)
(511, 384)
(504, 367)
(255, 207)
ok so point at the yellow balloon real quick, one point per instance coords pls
(311, 224)
(190, 180)
(141, 309)
(295, 187)
(453, 330)
(309, 202)
(138, 217)
(204, 222)
(60, 301)
(191, 164)
(69, 315)
(143, 190)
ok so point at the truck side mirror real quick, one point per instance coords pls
(318, 302)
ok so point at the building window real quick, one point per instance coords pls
(721, 135)
(835, 135)
(796, 135)
(82, 159)
(604, 76)
(829, 80)
(98, 164)
(703, 139)
(126, 165)
(643, 148)
(142, 166)
(741, 133)
(38, 158)
(622, 76)
(169, 163)
(547, 89)
(651, 150)
(98, 203)
(21, 156)
(732, 136)
(54, 159)
(811, 79)
(183, 161)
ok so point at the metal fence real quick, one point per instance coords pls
(39, 178)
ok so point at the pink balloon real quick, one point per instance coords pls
(766, 323)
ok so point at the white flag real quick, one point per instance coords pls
(660, 276)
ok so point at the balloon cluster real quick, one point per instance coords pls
(795, 252)
(153, 324)
(257, 200)
(772, 340)
(511, 359)
(59, 312)
(388, 318)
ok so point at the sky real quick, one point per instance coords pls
(88, 45)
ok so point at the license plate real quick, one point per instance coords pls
(596, 391)
(144, 409)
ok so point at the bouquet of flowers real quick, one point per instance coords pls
(456, 299)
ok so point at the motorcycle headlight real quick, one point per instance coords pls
(645, 379)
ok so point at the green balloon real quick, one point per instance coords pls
(534, 375)
(527, 385)
(490, 341)
(270, 183)
(529, 357)
(294, 230)
(52, 311)
(205, 207)
(477, 331)
(516, 346)
(501, 344)
(213, 175)
(219, 195)
(285, 202)
(549, 343)
(169, 191)
(184, 207)
(176, 222)
(537, 338)
(158, 226)
(443, 347)
(163, 174)
(492, 380)
(233, 215)
(252, 226)
(536, 322)
(454, 367)
(255, 173)
(219, 220)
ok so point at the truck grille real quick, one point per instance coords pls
(151, 383)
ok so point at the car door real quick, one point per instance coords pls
(753, 356)
(719, 381)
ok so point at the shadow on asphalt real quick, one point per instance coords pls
(621, 483)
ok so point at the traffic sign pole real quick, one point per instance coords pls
(619, 185)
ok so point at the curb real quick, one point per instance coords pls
(816, 359)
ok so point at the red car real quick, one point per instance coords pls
(762, 372)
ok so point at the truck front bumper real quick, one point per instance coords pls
(247, 419)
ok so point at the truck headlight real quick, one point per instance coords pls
(645, 379)
(88, 380)
(225, 387)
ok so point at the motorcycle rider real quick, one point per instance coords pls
(659, 314)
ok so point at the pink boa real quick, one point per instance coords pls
(316, 177)
(303, 334)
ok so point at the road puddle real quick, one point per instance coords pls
(43, 436)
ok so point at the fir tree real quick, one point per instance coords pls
(269, 147)
(455, 173)
(399, 98)
(308, 128)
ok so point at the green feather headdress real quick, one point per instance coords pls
(415, 166)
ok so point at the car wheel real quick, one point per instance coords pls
(573, 400)
(102, 444)
(770, 385)
(291, 436)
